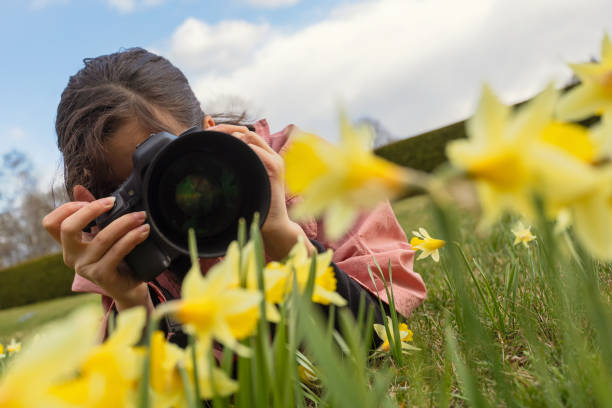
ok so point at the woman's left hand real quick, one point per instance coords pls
(279, 232)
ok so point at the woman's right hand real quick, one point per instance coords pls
(98, 258)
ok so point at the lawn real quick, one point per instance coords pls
(20, 322)
(503, 325)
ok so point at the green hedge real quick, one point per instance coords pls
(425, 151)
(34, 281)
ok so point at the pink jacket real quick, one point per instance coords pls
(376, 233)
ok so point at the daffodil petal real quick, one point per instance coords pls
(583, 101)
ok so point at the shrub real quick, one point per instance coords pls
(35, 280)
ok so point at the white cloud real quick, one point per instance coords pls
(41, 4)
(271, 3)
(16, 134)
(128, 6)
(225, 46)
(414, 65)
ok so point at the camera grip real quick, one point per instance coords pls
(147, 260)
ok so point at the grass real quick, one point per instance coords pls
(20, 322)
(503, 325)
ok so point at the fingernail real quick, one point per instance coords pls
(108, 201)
(144, 229)
(140, 216)
(237, 134)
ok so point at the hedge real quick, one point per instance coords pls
(34, 281)
(425, 151)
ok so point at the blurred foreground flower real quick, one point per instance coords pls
(165, 379)
(110, 373)
(210, 308)
(2, 353)
(298, 263)
(13, 347)
(339, 181)
(522, 234)
(273, 280)
(423, 241)
(220, 384)
(29, 376)
(167, 387)
(594, 94)
(404, 332)
(514, 156)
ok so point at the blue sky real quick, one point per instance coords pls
(414, 65)
(44, 42)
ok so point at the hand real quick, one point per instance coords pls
(279, 232)
(99, 258)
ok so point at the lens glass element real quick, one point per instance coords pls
(197, 191)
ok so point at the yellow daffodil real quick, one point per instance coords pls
(13, 347)
(165, 379)
(167, 387)
(211, 308)
(110, 373)
(2, 353)
(494, 153)
(339, 181)
(513, 156)
(592, 217)
(522, 234)
(307, 376)
(220, 384)
(28, 379)
(404, 332)
(602, 137)
(428, 245)
(594, 94)
(273, 281)
(298, 265)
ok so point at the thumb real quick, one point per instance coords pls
(81, 193)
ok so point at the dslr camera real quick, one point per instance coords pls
(205, 180)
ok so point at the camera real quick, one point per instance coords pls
(205, 180)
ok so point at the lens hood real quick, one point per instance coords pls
(207, 181)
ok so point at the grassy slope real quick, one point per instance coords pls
(20, 322)
(557, 364)
(423, 375)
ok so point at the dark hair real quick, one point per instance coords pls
(107, 91)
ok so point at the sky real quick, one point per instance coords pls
(412, 65)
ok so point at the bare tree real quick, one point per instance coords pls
(22, 208)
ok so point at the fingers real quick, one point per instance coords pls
(229, 128)
(252, 138)
(274, 164)
(113, 257)
(71, 227)
(52, 221)
(111, 235)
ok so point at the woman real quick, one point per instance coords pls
(114, 103)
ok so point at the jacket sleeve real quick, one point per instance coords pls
(377, 237)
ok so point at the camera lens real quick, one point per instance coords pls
(197, 191)
(207, 181)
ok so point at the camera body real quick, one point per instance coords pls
(205, 180)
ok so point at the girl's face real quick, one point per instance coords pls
(122, 144)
